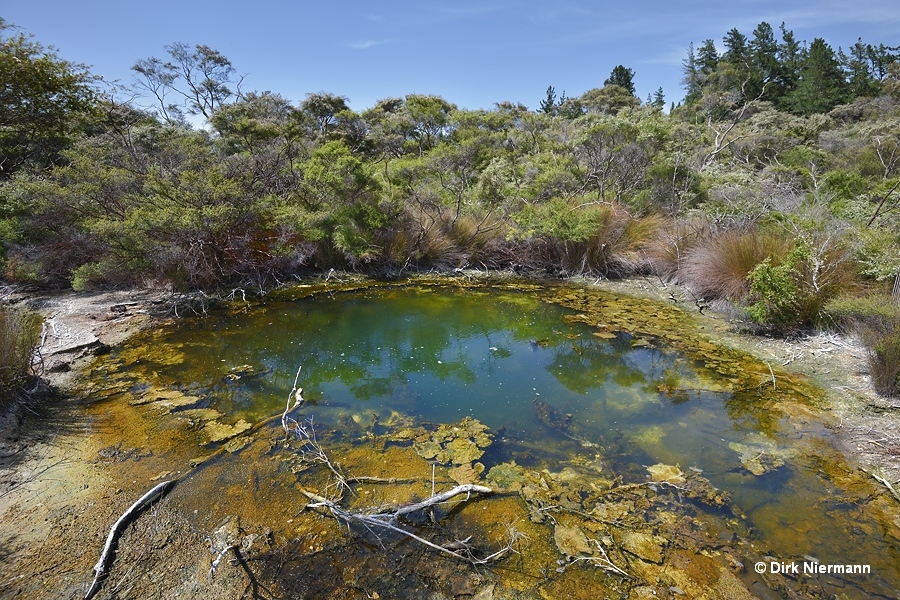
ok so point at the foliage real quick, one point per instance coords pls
(780, 171)
(800, 78)
(775, 293)
(45, 102)
(199, 79)
(623, 77)
(792, 292)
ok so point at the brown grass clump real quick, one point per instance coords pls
(666, 250)
(435, 236)
(19, 334)
(718, 266)
(875, 319)
(607, 241)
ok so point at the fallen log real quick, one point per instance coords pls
(102, 566)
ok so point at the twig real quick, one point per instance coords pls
(886, 484)
(371, 479)
(102, 566)
(215, 563)
(602, 561)
(296, 396)
(312, 449)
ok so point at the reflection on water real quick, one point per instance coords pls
(557, 377)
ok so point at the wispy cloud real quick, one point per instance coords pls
(366, 44)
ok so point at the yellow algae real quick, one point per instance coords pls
(667, 473)
(156, 395)
(216, 431)
(646, 546)
(571, 540)
(650, 438)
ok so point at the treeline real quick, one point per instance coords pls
(763, 187)
(795, 77)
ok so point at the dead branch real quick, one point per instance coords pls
(370, 479)
(602, 561)
(102, 566)
(881, 204)
(388, 520)
(439, 498)
(772, 373)
(215, 563)
(297, 396)
(312, 450)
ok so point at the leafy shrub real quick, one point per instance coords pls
(792, 293)
(876, 321)
(776, 295)
(877, 251)
(19, 334)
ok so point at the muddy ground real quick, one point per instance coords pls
(60, 489)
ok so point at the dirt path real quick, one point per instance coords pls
(59, 490)
(53, 484)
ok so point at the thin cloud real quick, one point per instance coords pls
(366, 44)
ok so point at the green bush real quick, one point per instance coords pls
(19, 335)
(792, 292)
(876, 321)
(777, 298)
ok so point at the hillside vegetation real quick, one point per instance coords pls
(774, 185)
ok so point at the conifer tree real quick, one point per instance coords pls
(622, 77)
(822, 85)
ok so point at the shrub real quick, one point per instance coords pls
(776, 295)
(875, 319)
(590, 238)
(19, 335)
(792, 293)
(719, 266)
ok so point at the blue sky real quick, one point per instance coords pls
(472, 53)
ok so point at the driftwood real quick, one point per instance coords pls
(102, 566)
(388, 520)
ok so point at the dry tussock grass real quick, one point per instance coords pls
(718, 265)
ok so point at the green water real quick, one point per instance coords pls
(438, 354)
(434, 355)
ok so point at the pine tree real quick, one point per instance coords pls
(708, 57)
(548, 104)
(790, 57)
(860, 80)
(736, 51)
(691, 77)
(822, 85)
(763, 60)
(622, 77)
